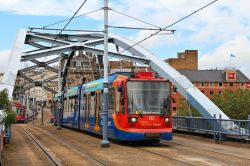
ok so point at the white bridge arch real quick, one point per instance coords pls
(65, 44)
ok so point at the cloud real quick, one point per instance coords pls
(217, 23)
(4, 58)
(220, 57)
(226, 23)
(46, 7)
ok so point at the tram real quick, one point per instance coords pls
(20, 113)
(139, 107)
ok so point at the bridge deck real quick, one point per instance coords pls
(183, 150)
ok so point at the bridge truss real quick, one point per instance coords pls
(90, 45)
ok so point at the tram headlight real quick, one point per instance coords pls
(166, 120)
(132, 119)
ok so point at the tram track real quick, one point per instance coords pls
(166, 157)
(53, 160)
(80, 151)
(208, 150)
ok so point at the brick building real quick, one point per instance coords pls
(187, 60)
(210, 82)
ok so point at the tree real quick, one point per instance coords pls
(186, 109)
(235, 104)
(7, 115)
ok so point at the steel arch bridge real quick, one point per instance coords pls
(66, 45)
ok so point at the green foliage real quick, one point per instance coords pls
(8, 116)
(235, 104)
(187, 110)
(4, 101)
(9, 119)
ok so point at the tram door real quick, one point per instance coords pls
(97, 110)
(87, 109)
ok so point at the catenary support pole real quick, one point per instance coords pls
(59, 94)
(33, 106)
(105, 142)
(42, 121)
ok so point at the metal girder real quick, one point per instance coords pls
(24, 89)
(51, 78)
(36, 66)
(32, 86)
(49, 89)
(45, 65)
(28, 69)
(94, 42)
(26, 77)
(117, 55)
(74, 37)
(37, 45)
(65, 68)
(39, 54)
(32, 37)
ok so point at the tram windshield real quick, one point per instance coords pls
(148, 97)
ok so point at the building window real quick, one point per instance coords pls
(231, 84)
(220, 92)
(211, 92)
(220, 84)
(202, 91)
(174, 108)
(243, 84)
(202, 84)
(174, 100)
(211, 84)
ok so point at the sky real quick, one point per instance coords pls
(216, 32)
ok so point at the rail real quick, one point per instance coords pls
(220, 128)
(54, 161)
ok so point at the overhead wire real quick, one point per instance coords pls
(58, 22)
(153, 34)
(134, 18)
(65, 27)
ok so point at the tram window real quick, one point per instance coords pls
(117, 101)
(65, 105)
(85, 102)
(76, 104)
(70, 105)
(97, 100)
(101, 102)
(68, 101)
(89, 103)
(92, 107)
(111, 101)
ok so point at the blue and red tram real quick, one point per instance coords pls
(139, 107)
(20, 113)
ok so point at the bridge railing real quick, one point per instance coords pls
(220, 128)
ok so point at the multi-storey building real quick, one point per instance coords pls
(210, 82)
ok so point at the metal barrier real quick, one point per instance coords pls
(220, 128)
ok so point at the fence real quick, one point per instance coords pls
(220, 128)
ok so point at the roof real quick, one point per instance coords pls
(211, 75)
